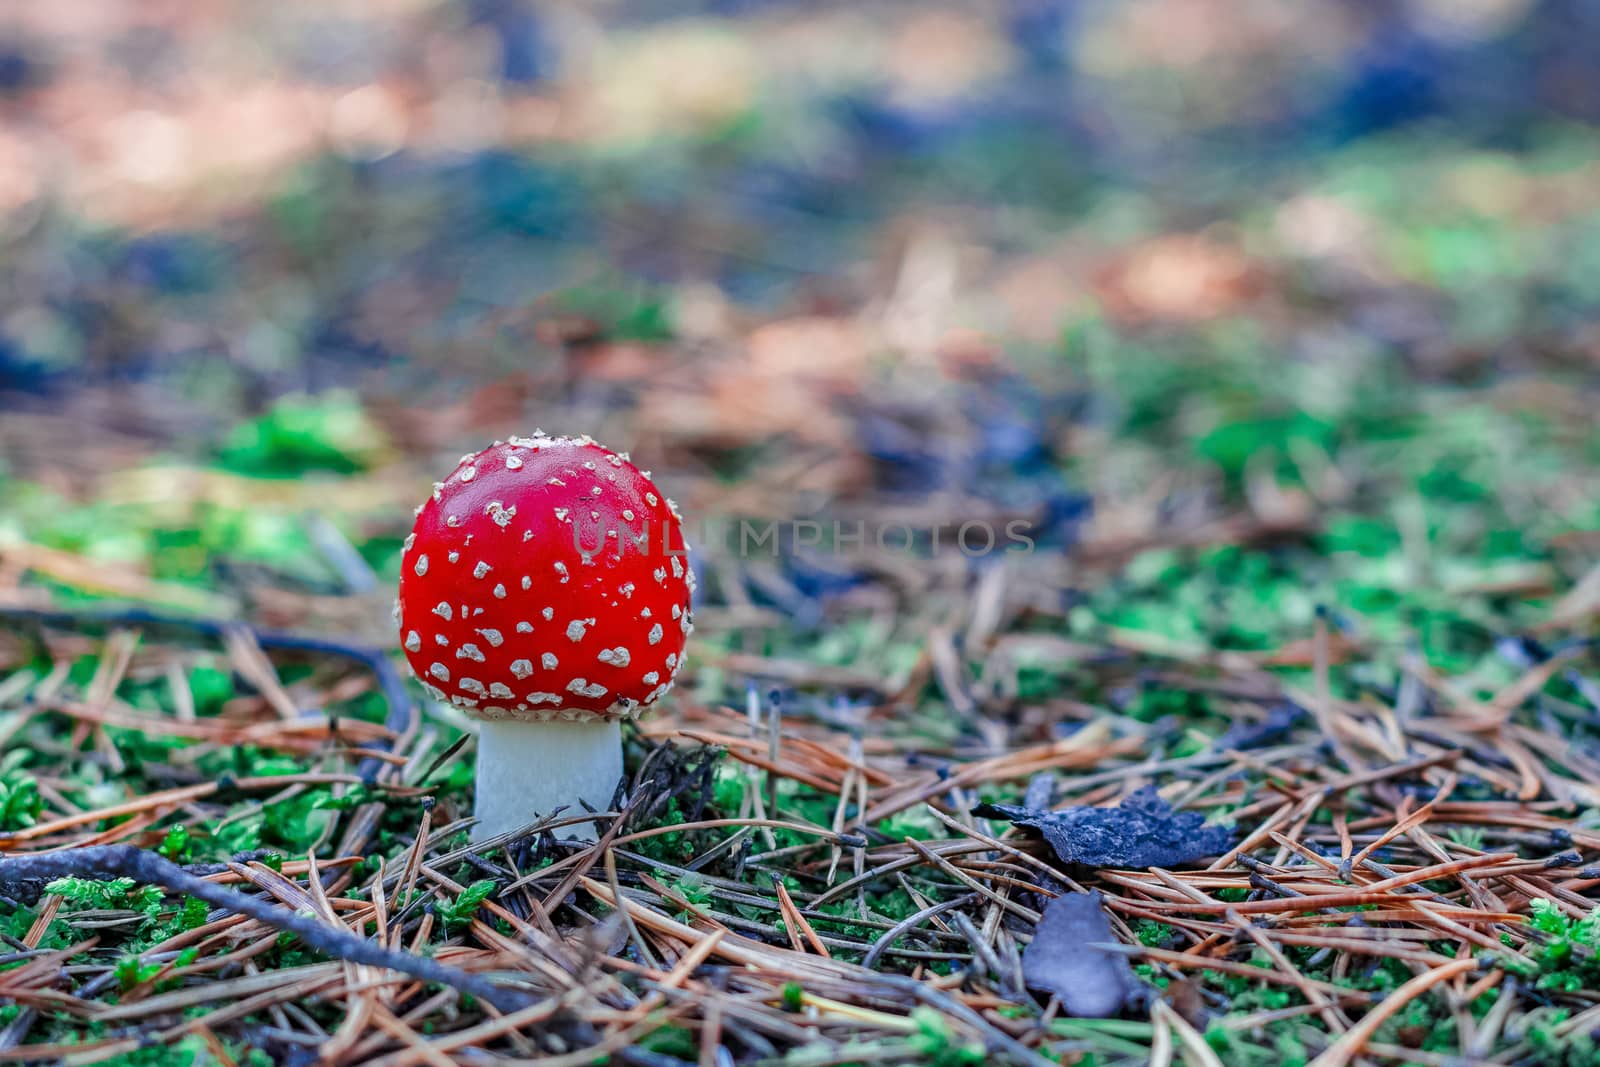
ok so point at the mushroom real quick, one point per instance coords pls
(544, 590)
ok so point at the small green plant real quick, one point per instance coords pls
(113, 895)
(132, 970)
(1567, 956)
(793, 996)
(936, 1042)
(193, 914)
(1151, 933)
(458, 913)
(16, 925)
(693, 890)
(302, 433)
(176, 845)
(20, 802)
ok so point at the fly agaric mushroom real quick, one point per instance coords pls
(544, 590)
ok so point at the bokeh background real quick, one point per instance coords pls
(1152, 274)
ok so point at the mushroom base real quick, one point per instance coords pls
(527, 770)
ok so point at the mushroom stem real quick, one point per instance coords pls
(527, 770)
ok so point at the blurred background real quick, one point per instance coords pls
(1248, 277)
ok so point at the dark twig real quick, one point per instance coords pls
(26, 875)
(906, 925)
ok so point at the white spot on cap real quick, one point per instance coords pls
(500, 691)
(672, 659)
(469, 651)
(576, 629)
(549, 661)
(655, 634)
(561, 569)
(652, 498)
(524, 627)
(652, 678)
(411, 540)
(500, 591)
(441, 640)
(660, 575)
(455, 557)
(521, 667)
(422, 565)
(480, 569)
(583, 687)
(502, 516)
(548, 613)
(627, 513)
(439, 671)
(676, 611)
(626, 589)
(527, 583)
(413, 641)
(472, 685)
(677, 567)
(513, 463)
(442, 609)
(469, 474)
(555, 481)
(493, 637)
(644, 614)
(543, 698)
(617, 657)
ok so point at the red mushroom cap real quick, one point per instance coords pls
(546, 578)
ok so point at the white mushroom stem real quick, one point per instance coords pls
(527, 770)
